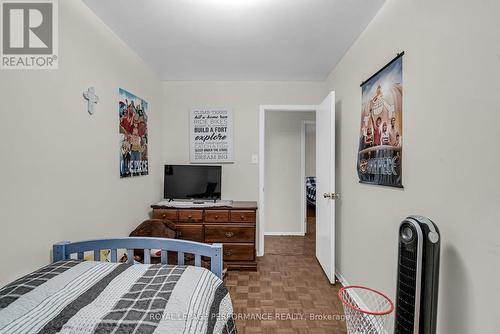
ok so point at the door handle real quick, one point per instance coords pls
(332, 196)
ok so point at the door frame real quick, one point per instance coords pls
(262, 140)
(303, 175)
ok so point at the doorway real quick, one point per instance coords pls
(284, 169)
(308, 175)
(277, 110)
(325, 173)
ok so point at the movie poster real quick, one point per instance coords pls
(133, 135)
(211, 136)
(381, 130)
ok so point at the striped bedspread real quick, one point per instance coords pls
(311, 190)
(99, 297)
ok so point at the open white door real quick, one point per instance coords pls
(325, 186)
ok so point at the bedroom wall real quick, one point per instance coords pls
(240, 179)
(310, 149)
(450, 153)
(283, 200)
(59, 171)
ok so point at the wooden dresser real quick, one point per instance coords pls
(233, 226)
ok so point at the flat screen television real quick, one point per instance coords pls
(193, 182)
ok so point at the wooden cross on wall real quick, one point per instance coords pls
(91, 98)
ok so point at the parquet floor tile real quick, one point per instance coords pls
(289, 294)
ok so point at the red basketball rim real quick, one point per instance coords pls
(345, 288)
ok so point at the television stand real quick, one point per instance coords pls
(231, 223)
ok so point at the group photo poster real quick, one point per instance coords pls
(133, 135)
(381, 129)
(211, 136)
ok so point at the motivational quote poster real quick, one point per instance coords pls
(211, 136)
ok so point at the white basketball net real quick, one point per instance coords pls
(366, 310)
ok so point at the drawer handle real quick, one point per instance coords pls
(229, 234)
(164, 216)
(179, 234)
(242, 217)
(216, 217)
(228, 253)
(190, 217)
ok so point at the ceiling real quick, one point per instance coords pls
(238, 39)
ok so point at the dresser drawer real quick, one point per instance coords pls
(190, 232)
(238, 252)
(169, 214)
(214, 216)
(243, 216)
(191, 216)
(224, 233)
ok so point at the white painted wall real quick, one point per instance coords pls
(310, 149)
(240, 180)
(59, 170)
(450, 154)
(283, 186)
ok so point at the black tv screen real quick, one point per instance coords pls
(194, 182)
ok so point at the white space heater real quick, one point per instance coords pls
(418, 276)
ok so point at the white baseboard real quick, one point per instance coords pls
(285, 233)
(341, 278)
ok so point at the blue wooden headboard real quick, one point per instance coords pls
(64, 249)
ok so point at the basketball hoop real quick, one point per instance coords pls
(366, 310)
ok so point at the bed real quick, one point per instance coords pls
(75, 296)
